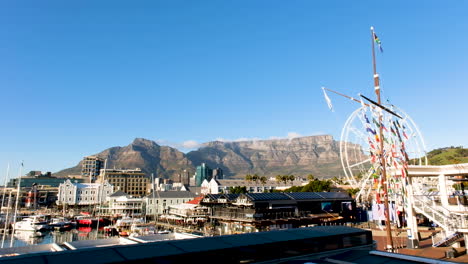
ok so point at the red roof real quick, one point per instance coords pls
(196, 200)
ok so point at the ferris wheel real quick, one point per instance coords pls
(361, 142)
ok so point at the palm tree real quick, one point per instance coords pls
(279, 178)
(248, 177)
(284, 178)
(255, 178)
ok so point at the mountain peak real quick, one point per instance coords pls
(143, 142)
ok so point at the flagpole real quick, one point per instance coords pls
(382, 158)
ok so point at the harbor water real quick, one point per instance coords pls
(28, 238)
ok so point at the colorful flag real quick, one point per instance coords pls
(370, 130)
(375, 122)
(378, 42)
(384, 128)
(367, 119)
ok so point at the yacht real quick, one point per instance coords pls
(60, 223)
(32, 223)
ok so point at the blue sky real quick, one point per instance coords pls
(77, 78)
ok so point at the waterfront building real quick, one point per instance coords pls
(38, 178)
(70, 193)
(202, 173)
(90, 167)
(159, 202)
(133, 182)
(215, 186)
(43, 196)
(122, 204)
(253, 212)
(191, 212)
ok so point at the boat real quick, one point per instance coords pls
(126, 222)
(61, 224)
(32, 223)
(143, 228)
(124, 226)
(91, 221)
(30, 237)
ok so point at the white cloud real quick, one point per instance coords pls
(190, 144)
(292, 135)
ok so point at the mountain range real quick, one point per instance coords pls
(317, 155)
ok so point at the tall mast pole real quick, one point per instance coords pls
(382, 157)
(5, 186)
(100, 195)
(16, 204)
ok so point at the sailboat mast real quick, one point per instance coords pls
(16, 204)
(100, 195)
(7, 218)
(5, 185)
(382, 157)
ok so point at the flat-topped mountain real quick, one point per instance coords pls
(300, 156)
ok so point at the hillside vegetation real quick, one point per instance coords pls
(445, 156)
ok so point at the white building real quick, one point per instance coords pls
(123, 204)
(159, 202)
(222, 186)
(83, 193)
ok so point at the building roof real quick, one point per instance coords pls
(119, 193)
(233, 183)
(317, 195)
(197, 200)
(267, 196)
(194, 189)
(297, 196)
(172, 194)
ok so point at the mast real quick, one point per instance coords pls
(100, 194)
(382, 157)
(154, 199)
(16, 204)
(5, 185)
(7, 217)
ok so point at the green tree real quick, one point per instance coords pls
(279, 178)
(255, 178)
(291, 178)
(312, 186)
(263, 179)
(238, 189)
(353, 191)
(310, 177)
(248, 177)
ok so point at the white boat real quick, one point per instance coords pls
(59, 222)
(31, 223)
(128, 221)
(30, 237)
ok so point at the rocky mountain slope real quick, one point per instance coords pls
(318, 155)
(144, 154)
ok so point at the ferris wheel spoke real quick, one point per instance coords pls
(359, 163)
(358, 133)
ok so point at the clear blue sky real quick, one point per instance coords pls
(77, 78)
